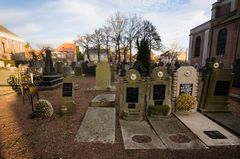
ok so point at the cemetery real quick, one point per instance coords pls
(161, 111)
(121, 92)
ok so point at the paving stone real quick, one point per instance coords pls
(98, 125)
(103, 100)
(134, 129)
(198, 123)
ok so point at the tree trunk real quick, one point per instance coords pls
(98, 53)
(87, 51)
(130, 47)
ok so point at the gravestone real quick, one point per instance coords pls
(68, 106)
(185, 82)
(216, 87)
(78, 70)
(103, 76)
(50, 79)
(58, 67)
(159, 88)
(48, 69)
(132, 96)
(67, 70)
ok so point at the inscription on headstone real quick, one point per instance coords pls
(159, 92)
(67, 90)
(132, 95)
(222, 88)
(186, 88)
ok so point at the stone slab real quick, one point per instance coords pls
(235, 97)
(132, 128)
(198, 123)
(174, 134)
(98, 125)
(227, 120)
(103, 100)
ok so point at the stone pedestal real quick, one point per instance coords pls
(67, 97)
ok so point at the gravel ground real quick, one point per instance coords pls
(21, 137)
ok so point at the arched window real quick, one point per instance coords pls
(221, 41)
(197, 47)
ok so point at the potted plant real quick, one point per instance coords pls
(185, 104)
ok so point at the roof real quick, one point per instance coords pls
(66, 47)
(5, 30)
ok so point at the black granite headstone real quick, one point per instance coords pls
(132, 95)
(159, 92)
(67, 89)
(222, 88)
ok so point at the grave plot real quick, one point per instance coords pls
(132, 96)
(215, 94)
(174, 134)
(159, 92)
(98, 125)
(208, 131)
(139, 135)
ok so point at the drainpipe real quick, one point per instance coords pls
(236, 49)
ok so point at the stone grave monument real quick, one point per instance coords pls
(67, 70)
(217, 83)
(159, 88)
(132, 96)
(51, 79)
(103, 76)
(68, 106)
(78, 70)
(185, 81)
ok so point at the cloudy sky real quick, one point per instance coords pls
(57, 21)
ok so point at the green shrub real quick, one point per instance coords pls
(159, 109)
(44, 109)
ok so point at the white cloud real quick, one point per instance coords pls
(57, 21)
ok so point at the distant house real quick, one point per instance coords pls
(167, 57)
(11, 45)
(93, 55)
(66, 51)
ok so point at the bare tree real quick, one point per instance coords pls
(148, 32)
(118, 23)
(107, 39)
(97, 39)
(85, 41)
(132, 28)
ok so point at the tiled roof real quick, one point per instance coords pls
(66, 47)
(5, 30)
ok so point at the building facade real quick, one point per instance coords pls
(218, 37)
(11, 45)
(66, 51)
